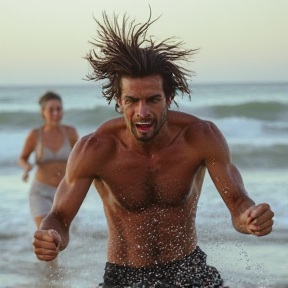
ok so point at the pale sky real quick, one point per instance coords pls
(43, 42)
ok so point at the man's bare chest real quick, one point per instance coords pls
(137, 181)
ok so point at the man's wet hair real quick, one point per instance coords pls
(126, 50)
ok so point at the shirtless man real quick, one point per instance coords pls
(148, 167)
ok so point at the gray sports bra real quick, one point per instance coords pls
(44, 154)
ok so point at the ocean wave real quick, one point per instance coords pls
(92, 117)
(270, 111)
(248, 156)
(276, 127)
(264, 111)
(243, 155)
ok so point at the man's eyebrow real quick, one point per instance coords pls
(133, 97)
(130, 97)
(155, 96)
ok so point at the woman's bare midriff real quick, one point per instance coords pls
(51, 173)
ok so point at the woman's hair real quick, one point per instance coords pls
(48, 96)
(127, 51)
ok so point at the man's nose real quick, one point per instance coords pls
(143, 110)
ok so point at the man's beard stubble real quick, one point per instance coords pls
(145, 139)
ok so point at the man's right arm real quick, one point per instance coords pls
(53, 235)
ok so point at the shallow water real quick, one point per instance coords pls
(253, 118)
(243, 261)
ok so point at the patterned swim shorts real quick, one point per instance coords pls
(191, 272)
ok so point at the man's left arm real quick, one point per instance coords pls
(247, 217)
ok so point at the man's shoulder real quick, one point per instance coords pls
(111, 126)
(186, 120)
(194, 128)
(104, 137)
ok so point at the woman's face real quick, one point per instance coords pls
(52, 112)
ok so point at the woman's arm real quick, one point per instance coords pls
(29, 147)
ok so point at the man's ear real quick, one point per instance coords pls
(118, 106)
(169, 101)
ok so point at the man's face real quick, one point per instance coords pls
(144, 105)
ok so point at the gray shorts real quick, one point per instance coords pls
(41, 198)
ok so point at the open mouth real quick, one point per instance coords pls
(143, 126)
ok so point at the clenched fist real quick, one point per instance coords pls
(46, 244)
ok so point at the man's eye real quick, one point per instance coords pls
(155, 100)
(128, 101)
